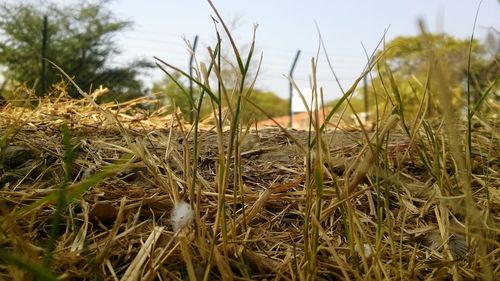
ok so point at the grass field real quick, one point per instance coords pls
(99, 192)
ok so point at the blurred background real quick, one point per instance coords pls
(287, 26)
(113, 42)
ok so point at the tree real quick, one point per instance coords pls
(487, 70)
(412, 61)
(173, 95)
(269, 102)
(80, 41)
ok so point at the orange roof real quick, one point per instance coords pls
(300, 120)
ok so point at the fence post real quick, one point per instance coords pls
(291, 86)
(43, 70)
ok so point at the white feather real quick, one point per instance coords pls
(182, 215)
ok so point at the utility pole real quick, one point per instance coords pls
(191, 90)
(291, 86)
(43, 70)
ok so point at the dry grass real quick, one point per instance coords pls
(88, 190)
(120, 226)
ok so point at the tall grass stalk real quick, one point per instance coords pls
(358, 220)
(474, 223)
(69, 158)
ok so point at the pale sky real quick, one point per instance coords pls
(286, 26)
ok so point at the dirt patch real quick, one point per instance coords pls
(267, 198)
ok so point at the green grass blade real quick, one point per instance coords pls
(483, 97)
(172, 78)
(39, 272)
(69, 159)
(207, 90)
(75, 190)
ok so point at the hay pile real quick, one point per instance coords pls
(117, 226)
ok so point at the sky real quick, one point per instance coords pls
(286, 26)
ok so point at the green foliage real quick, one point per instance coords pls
(176, 95)
(409, 60)
(80, 41)
(267, 101)
(39, 272)
(408, 55)
(406, 68)
(173, 94)
(484, 73)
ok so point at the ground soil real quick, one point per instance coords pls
(33, 166)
